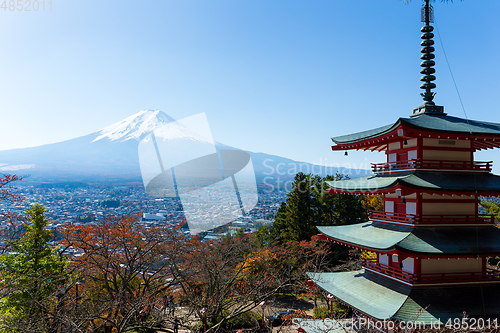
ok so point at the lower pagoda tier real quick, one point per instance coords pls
(375, 236)
(383, 299)
(422, 256)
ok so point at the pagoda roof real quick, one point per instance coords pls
(423, 125)
(384, 237)
(483, 183)
(429, 122)
(381, 298)
(450, 302)
(456, 240)
(369, 235)
(369, 134)
(369, 293)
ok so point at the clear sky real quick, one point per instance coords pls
(273, 76)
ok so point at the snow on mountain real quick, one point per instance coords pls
(135, 127)
(192, 128)
(144, 122)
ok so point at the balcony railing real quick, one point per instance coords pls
(490, 275)
(389, 271)
(391, 217)
(431, 165)
(430, 219)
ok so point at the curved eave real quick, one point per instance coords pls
(376, 139)
(381, 298)
(449, 302)
(364, 185)
(426, 182)
(371, 236)
(366, 292)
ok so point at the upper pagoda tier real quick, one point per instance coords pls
(484, 135)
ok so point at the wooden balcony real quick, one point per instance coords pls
(431, 165)
(430, 278)
(380, 216)
(397, 273)
(399, 218)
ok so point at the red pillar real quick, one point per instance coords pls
(417, 269)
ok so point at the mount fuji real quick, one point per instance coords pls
(111, 156)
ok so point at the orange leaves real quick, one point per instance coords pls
(228, 273)
(123, 264)
(8, 193)
(257, 263)
(373, 202)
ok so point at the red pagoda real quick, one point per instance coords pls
(430, 244)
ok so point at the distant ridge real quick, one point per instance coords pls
(110, 155)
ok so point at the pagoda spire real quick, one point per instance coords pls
(427, 63)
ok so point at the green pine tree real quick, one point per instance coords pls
(491, 207)
(301, 209)
(307, 206)
(32, 275)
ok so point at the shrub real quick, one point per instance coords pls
(245, 320)
(322, 312)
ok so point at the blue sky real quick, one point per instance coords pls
(273, 76)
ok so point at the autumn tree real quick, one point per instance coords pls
(12, 223)
(373, 202)
(226, 279)
(7, 192)
(128, 272)
(125, 274)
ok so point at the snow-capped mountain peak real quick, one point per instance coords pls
(134, 127)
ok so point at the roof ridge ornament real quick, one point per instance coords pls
(427, 64)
